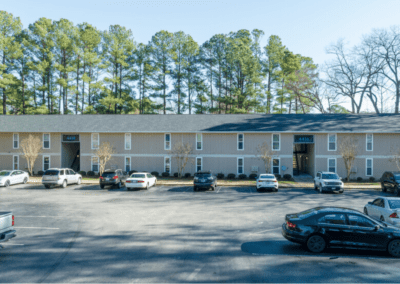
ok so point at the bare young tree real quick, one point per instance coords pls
(395, 153)
(348, 149)
(181, 153)
(264, 153)
(31, 147)
(103, 154)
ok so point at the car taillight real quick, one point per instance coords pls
(128, 181)
(12, 220)
(101, 177)
(291, 225)
(140, 181)
(115, 177)
(394, 215)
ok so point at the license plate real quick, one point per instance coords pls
(107, 179)
(202, 180)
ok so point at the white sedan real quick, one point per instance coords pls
(385, 209)
(267, 181)
(140, 180)
(8, 178)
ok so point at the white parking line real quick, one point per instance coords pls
(194, 273)
(44, 228)
(37, 217)
(12, 244)
(219, 189)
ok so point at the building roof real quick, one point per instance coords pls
(300, 123)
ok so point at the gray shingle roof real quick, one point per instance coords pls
(382, 123)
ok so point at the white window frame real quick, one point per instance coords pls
(91, 166)
(335, 164)
(201, 142)
(237, 165)
(130, 164)
(98, 141)
(43, 140)
(165, 158)
(366, 167)
(130, 141)
(279, 143)
(239, 141)
(16, 140)
(272, 165)
(165, 141)
(201, 163)
(335, 141)
(372, 142)
(45, 156)
(13, 163)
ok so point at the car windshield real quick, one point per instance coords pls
(267, 176)
(330, 176)
(108, 174)
(51, 173)
(138, 176)
(202, 175)
(4, 173)
(394, 204)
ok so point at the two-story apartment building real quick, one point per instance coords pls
(221, 143)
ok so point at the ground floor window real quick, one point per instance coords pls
(369, 167)
(46, 163)
(276, 166)
(332, 165)
(15, 162)
(127, 164)
(95, 164)
(240, 166)
(167, 164)
(199, 164)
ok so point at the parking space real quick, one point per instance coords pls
(173, 234)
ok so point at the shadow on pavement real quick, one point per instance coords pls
(180, 189)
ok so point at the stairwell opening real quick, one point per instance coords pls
(70, 153)
(303, 156)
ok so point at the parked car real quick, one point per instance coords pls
(386, 209)
(204, 179)
(8, 178)
(322, 227)
(267, 181)
(6, 226)
(60, 177)
(141, 180)
(390, 181)
(114, 178)
(328, 181)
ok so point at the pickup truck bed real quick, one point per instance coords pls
(6, 226)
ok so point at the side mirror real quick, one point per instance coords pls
(377, 227)
(370, 202)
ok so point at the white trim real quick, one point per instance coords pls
(201, 142)
(201, 165)
(91, 164)
(238, 141)
(43, 141)
(237, 165)
(167, 157)
(335, 141)
(130, 163)
(130, 141)
(272, 165)
(331, 158)
(193, 155)
(98, 141)
(14, 140)
(366, 142)
(358, 157)
(44, 156)
(366, 167)
(279, 137)
(165, 141)
(14, 163)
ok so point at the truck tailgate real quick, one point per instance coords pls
(5, 221)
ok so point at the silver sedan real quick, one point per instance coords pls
(8, 178)
(385, 209)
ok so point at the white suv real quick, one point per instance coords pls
(60, 177)
(328, 181)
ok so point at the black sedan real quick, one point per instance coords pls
(205, 180)
(322, 227)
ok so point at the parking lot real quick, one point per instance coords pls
(172, 234)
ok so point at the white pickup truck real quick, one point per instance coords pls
(6, 226)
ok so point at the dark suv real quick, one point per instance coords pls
(391, 181)
(114, 178)
(204, 180)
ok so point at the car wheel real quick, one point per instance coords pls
(213, 187)
(382, 219)
(383, 188)
(64, 184)
(119, 185)
(155, 182)
(320, 189)
(316, 244)
(365, 211)
(341, 191)
(25, 180)
(7, 184)
(194, 188)
(101, 186)
(79, 181)
(396, 191)
(315, 186)
(47, 186)
(394, 248)
(147, 186)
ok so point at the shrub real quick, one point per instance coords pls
(242, 176)
(278, 177)
(40, 173)
(231, 176)
(253, 176)
(156, 174)
(131, 172)
(187, 175)
(90, 173)
(359, 179)
(220, 175)
(371, 179)
(165, 174)
(176, 175)
(82, 173)
(287, 177)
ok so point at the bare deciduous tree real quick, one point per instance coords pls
(264, 153)
(104, 154)
(395, 157)
(348, 149)
(181, 153)
(31, 147)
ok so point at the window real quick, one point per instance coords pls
(369, 167)
(167, 142)
(199, 141)
(95, 164)
(370, 142)
(46, 163)
(336, 219)
(46, 141)
(240, 139)
(360, 221)
(199, 164)
(332, 165)
(276, 142)
(276, 166)
(240, 166)
(167, 164)
(15, 141)
(379, 202)
(95, 140)
(127, 141)
(127, 164)
(15, 162)
(332, 142)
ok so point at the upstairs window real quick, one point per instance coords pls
(240, 141)
(332, 142)
(276, 142)
(199, 141)
(46, 141)
(16, 141)
(95, 140)
(370, 142)
(167, 141)
(127, 141)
